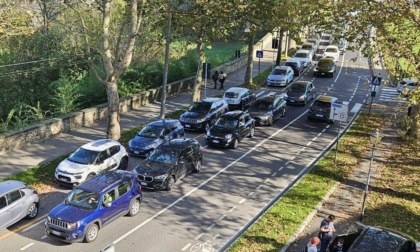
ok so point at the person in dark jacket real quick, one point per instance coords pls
(215, 78)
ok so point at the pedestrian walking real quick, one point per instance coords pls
(326, 232)
(222, 78)
(311, 247)
(215, 78)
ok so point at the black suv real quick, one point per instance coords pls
(231, 128)
(321, 108)
(169, 163)
(203, 114)
(267, 109)
(325, 67)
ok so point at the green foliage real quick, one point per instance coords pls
(92, 91)
(23, 115)
(66, 94)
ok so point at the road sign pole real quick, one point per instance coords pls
(371, 96)
(336, 143)
(259, 70)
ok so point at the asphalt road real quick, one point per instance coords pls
(205, 210)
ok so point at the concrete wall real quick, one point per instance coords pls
(42, 130)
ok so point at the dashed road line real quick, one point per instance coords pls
(27, 246)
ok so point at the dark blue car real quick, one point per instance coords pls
(153, 135)
(94, 204)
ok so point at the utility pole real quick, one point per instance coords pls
(166, 64)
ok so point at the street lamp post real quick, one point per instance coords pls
(375, 138)
(275, 43)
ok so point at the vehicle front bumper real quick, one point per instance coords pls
(260, 121)
(70, 236)
(218, 141)
(138, 152)
(281, 83)
(295, 100)
(193, 126)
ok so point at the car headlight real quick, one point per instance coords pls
(208, 133)
(330, 71)
(161, 177)
(228, 136)
(129, 143)
(201, 120)
(285, 96)
(302, 97)
(72, 226)
(48, 218)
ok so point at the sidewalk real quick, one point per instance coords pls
(19, 160)
(345, 200)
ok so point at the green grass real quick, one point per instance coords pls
(220, 53)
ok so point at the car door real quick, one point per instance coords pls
(276, 109)
(245, 99)
(5, 218)
(124, 197)
(181, 168)
(105, 162)
(110, 206)
(16, 205)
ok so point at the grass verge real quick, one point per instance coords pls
(395, 198)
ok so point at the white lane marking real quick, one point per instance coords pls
(206, 181)
(250, 194)
(27, 246)
(328, 126)
(329, 89)
(199, 236)
(309, 143)
(231, 209)
(216, 236)
(33, 225)
(274, 174)
(186, 247)
(341, 68)
(43, 237)
(356, 108)
(260, 93)
(222, 217)
(242, 201)
(258, 187)
(266, 181)
(281, 168)
(313, 139)
(211, 226)
(287, 163)
(319, 134)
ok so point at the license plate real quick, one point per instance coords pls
(143, 183)
(65, 179)
(215, 141)
(322, 73)
(292, 100)
(319, 115)
(230, 101)
(136, 152)
(187, 126)
(55, 232)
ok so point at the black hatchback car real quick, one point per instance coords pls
(300, 92)
(267, 109)
(169, 163)
(325, 67)
(203, 114)
(231, 128)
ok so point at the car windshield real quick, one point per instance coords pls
(324, 63)
(292, 64)
(320, 51)
(231, 95)
(151, 131)
(83, 156)
(82, 199)
(378, 240)
(326, 37)
(200, 107)
(263, 105)
(226, 122)
(322, 104)
(324, 43)
(279, 72)
(307, 47)
(331, 50)
(163, 156)
(297, 88)
(311, 40)
(301, 55)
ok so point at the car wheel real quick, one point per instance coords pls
(207, 127)
(134, 207)
(252, 132)
(32, 211)
(197, 166)
(234, 144)
(91, 233)
(170, 183)
(123, 164)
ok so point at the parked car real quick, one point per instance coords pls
(406, 85)
(309, 47)
(304, 56)
(94, 204)
(314, 42)
(230, 129)
(280, 76)
(92, 158)
(169, 163)
(296, 65)
(17, 201)
(267, 109)
(367, 238)
(300, 92)
(332, 51)
(342, 46)
(201, 115)
(321, 108)
(325, 67)
(327, 37)
(153, 135)
(239, 98)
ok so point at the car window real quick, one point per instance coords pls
(331, 50)
(166, 131)
(83, 156)
(301, 55)
(104, 155)
(248, 117)
(109, 197)
(3, 202)
(262, 104)
(150, 131)
(324, 63)
(122, 189)
(14, 196)
(164, 156)
(297, 88)
(278, 72)
(82, 199)
(322, 104)
(114, 150)
(231, 95)
(200, 107)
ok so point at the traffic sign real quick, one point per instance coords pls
(260, 54)
(376, 80)
(339, 112)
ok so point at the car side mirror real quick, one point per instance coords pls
(107, 204)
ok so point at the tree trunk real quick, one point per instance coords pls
(250, 61)
(199, 78)
(279, 51)
(113, 130)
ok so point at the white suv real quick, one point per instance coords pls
(90, 159)
(304, 56)
(332, 51)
